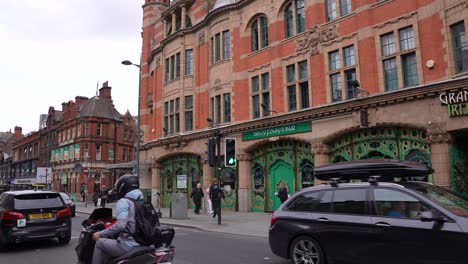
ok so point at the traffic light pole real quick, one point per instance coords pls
(218, 164)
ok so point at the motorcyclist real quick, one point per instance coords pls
(126, 186)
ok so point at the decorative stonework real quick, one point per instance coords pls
(217, 85)
(315, 36)
(243, 157)
(456, 8)
(396, 20)
(319, 148)
(338, 40)
(260, 67)
(155, 164)
(158, 61)
(437, 133)
(201, 38)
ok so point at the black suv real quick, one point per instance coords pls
(33, 215)
(372, 222)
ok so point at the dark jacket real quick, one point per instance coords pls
(216, 193)
(283, 194)
(197, 194)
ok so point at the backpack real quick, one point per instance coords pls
(146, 222)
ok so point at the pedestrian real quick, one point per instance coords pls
(282, 192)
(215, 195)
(103, 195)
(95, 198)
(197, 195)
(209, 206)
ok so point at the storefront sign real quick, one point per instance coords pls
(181, 181)
(24, 181)
(277, 131)
(44, 175)
(457, 102)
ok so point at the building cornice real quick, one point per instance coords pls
(320, 112)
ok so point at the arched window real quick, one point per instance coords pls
(259, 33)
(294, 18)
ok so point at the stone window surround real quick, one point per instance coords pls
(394, 26)
(452, 18)
(259, 93)
(295, 61)
(350, 40)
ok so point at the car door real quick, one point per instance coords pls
(401, 236)
(345, 224)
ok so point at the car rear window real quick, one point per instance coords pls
(37, 200)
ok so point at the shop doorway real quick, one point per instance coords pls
(280, 171)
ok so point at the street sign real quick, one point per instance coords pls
(85, 171)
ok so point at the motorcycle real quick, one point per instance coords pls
(161, 252)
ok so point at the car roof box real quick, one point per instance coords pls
(363, 169)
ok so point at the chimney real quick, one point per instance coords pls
(64, 106)
(80, 99)
(18, 132)
(105, 91)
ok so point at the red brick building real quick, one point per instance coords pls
(300, 84)
(87, 133)
(7, 144)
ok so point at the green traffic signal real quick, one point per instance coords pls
(232, 161)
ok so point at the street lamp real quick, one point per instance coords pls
(127, 62)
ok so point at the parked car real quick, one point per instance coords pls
(372, 222)
(69, 202)
(33, 215)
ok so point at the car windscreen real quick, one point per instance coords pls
(37, 200)
(450, 200)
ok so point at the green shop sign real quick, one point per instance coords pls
(277, 131)
(457, 102)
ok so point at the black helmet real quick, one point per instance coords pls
(125, 184)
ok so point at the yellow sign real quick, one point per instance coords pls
(40, 216)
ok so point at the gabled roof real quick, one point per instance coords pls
(6, 136)
(99, 107)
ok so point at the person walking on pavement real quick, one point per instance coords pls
(103, 195)
(282, 192)
(215, 195)
(197, 195)
(208, 199)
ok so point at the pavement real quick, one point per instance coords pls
(238, 223)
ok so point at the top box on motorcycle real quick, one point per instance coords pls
(363, 169)
(101, 213)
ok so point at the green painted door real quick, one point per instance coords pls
(280, 171)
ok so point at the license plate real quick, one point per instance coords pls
(40, 216)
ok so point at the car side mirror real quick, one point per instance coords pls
(430, 216)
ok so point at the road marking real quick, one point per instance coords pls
(75, 237)
(266, 258)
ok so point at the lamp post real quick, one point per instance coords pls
(127, 62)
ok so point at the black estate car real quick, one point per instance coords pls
(372, 222)
(33, 215)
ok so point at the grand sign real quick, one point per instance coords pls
(457, 102)
(277, 131)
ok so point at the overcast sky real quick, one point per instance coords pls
(54, 50)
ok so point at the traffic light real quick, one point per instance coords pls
(230, 153)
(364, 118)
(211, 153)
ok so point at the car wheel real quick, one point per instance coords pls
(64, 240)
(3, 244)
(305, 250)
